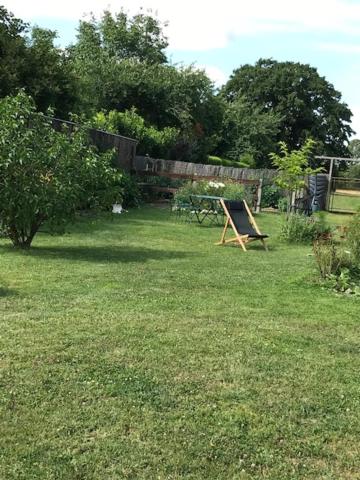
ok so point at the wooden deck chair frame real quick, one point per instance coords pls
(241, 239)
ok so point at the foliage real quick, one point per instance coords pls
(297, 228)
(164, 95)
(152, 141)
(35, 64)
(344, 282)
(215, 160)
(353, 238)
(246, 130)
(46, 175)
(131, 195)
(226, 189)
(49, 76)
(271, 194)
(354, 148)
(284, 204)
(336, 267)
(13, 52)
(306, 103)
(140, 37)
(293, 166)
(353, 171)
(329, 258)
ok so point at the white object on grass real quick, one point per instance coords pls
(117, 208)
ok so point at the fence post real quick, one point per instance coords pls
(259, 194)
(329, 184)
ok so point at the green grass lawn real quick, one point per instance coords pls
(345, 203)
(136, 349)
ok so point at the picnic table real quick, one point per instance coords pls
(207, 207)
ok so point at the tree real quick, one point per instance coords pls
(45, 175)
(354, 147)
(49, 78)
(154, 142)
(139, 37)
(109, 49)
(293, 166)
(121, 64)
(248, 131)
(308, 105)
(12, 52)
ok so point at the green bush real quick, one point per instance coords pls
(329, 258)
(214, 160)
(230, 190)
(298, 228)
(283, 204)
(45, 175)
(353, 238)
(336, 268)
(153, 142)
(131, 195)
(271, 194)
(353, 171)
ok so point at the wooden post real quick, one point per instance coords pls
(329, 184)
(259, 194)
(292, 202)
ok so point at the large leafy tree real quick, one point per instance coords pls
(12, 52)
(45, 175)
(354, 147)
(247, 131)
(120, 63)
(111, 50)
(49, 78)
(308, 105)
(34, 63)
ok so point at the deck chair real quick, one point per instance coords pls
(239, 217)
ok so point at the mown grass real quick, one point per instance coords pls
(342, 202)
(134, 348)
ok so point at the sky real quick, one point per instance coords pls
(223, 35)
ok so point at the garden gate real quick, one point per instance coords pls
(343, 193)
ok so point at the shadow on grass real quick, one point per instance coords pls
(6, 292)
(113, 254)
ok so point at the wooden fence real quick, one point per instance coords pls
(125, 148)
(177, 169)
(146, 166)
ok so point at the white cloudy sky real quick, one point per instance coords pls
(222, 35)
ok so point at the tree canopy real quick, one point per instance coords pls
(119, 63)
(307, 104)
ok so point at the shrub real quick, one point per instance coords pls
(246, 161)
(353, 171)
(231, 190)
(298, 228)
(271, 194)
(353, 238)
(293, 166)
(152, 141)
(336, 268)
(329, 258)
(131, 195)
(45, 176)
(283, 204)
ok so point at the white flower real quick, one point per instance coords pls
(216, 185)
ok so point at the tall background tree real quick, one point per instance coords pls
(12, 52)
(30, 60)
(120, 62)
(306, 103)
